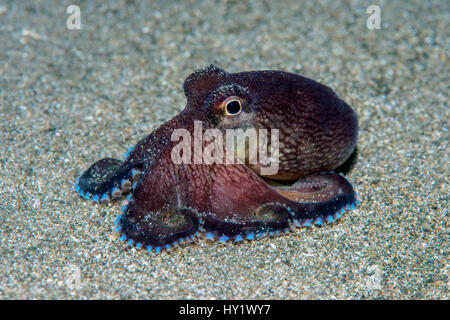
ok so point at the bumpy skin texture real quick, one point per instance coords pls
(172, 202)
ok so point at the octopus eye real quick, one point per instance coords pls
(233, 107)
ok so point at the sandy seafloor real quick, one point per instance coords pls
(70, 97)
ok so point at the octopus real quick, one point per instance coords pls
(176, 193)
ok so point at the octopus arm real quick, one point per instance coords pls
(243, 205)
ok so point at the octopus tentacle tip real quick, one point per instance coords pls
(159, 230)
(169, 202)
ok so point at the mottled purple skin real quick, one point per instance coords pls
(171, 202)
